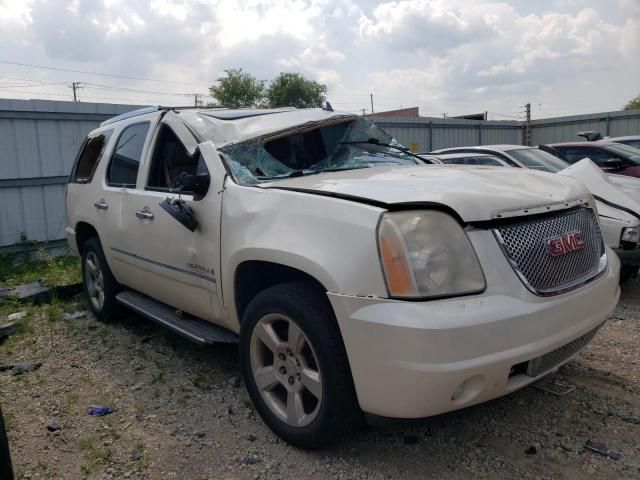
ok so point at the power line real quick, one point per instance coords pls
(99, 74)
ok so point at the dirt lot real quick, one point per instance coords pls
(181, 412)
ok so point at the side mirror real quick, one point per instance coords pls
(612, 164)
(198, 184)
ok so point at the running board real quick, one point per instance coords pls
(194, 329)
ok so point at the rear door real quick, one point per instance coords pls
(175, 265)
(119, 182)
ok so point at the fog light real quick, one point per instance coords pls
(468, 390)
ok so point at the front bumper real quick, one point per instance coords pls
(417, 359)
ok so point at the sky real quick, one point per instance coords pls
(448, 57)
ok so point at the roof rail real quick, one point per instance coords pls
(132, 113)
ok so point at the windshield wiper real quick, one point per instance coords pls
(375, 141)
(310, 171)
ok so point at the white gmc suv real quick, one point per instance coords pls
(357, 282)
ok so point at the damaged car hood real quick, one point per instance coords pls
(601, 186)
(474, 193)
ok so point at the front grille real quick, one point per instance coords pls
(554, 358)
(525, 245)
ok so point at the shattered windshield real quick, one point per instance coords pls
(340, 145)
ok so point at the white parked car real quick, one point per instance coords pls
(355, 280)
(617, 196)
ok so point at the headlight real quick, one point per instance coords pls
(631, 234)
(425, 253)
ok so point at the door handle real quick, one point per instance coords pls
(101, 205)
(145, 214)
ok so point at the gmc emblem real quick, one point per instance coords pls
(569, 242)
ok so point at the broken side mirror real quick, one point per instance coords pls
(179, 210)
(198, 184)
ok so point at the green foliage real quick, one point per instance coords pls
(17, 268)
(238, 89)
(294, 90)
(633, 104)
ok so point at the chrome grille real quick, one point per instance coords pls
(525, 245)
(554, 358)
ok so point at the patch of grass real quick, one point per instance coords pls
(155, 379)
(199, 382)
(94, 455)
(72, 398)
(17, 268)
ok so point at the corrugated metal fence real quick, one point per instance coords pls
(39, 140)
(425, 134)
(564, 129)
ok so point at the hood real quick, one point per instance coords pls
(474, 193)
(601, 186)
(629, 185)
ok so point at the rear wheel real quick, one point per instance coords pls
(295, 366)
(100, 287)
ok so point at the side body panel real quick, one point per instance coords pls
(330, 239)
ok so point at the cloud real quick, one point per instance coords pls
(443, 55)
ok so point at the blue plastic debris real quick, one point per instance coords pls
(99, 411)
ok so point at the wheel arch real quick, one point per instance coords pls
(253, 276)
(85, 231)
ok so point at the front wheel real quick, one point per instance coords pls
(295, 366)
(100, 287)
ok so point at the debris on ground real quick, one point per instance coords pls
(8, 329)
(99, 411)
(634, 420)
(555, 387)
(602, 449)
(234, 382)
(34, 292)
(53, 427)
(532, 450)
(75, 315)
(39, 292)
(20, 368)
(14, 317)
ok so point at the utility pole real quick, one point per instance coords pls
(526, 132)
(363, 112)
(372, 105)
(75, 86)
(196, 99)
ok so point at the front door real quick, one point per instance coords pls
(178, 265)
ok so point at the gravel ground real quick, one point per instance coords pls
(181, 412)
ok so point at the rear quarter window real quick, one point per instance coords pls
(89, 157)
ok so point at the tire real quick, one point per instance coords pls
(314, 366)
(103, 304)
(627, 272)
(6, 470)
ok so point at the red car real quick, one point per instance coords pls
(611, 157)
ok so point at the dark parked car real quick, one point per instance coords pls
(610, 156)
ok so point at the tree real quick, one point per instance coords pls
(633, 104)
(294, 90)
(238, 89)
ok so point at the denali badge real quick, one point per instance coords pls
(569, 242)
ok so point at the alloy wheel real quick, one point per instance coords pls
(285, 370)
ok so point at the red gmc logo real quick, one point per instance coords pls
(569, 242)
